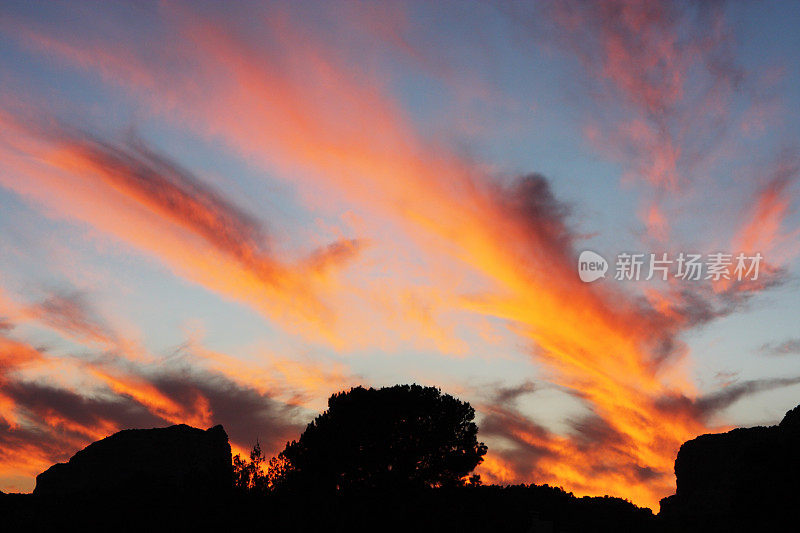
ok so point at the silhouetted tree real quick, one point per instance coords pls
(277, 470)
(405, 436)
(249, 475)
(475, 480)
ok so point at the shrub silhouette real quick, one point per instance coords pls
(400, 437)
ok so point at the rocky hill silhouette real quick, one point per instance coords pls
(160, 462)
(745, 476)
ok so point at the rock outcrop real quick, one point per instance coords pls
(174, 461)
(747, 474)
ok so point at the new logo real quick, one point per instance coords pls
(591, 266)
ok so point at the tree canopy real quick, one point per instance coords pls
(405, 436)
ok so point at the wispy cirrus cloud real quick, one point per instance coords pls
(663, 63)
(672, 97)
(764, 228)
(703, 407)
(787, 347)
(164, 210)
(69, 312)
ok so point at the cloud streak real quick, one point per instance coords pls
(150, 202)
(787, 347)
(41, 422)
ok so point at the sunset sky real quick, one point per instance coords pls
(222, 214)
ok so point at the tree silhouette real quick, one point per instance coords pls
(400, 437)
(249, 475)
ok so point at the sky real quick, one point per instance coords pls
(224, 213)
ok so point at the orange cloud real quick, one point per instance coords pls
(163, 210)
(298, 382)
(763, 228)
(154, 400)
(42, 421)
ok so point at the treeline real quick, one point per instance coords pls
(402, 457)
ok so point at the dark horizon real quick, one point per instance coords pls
(374, 452)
